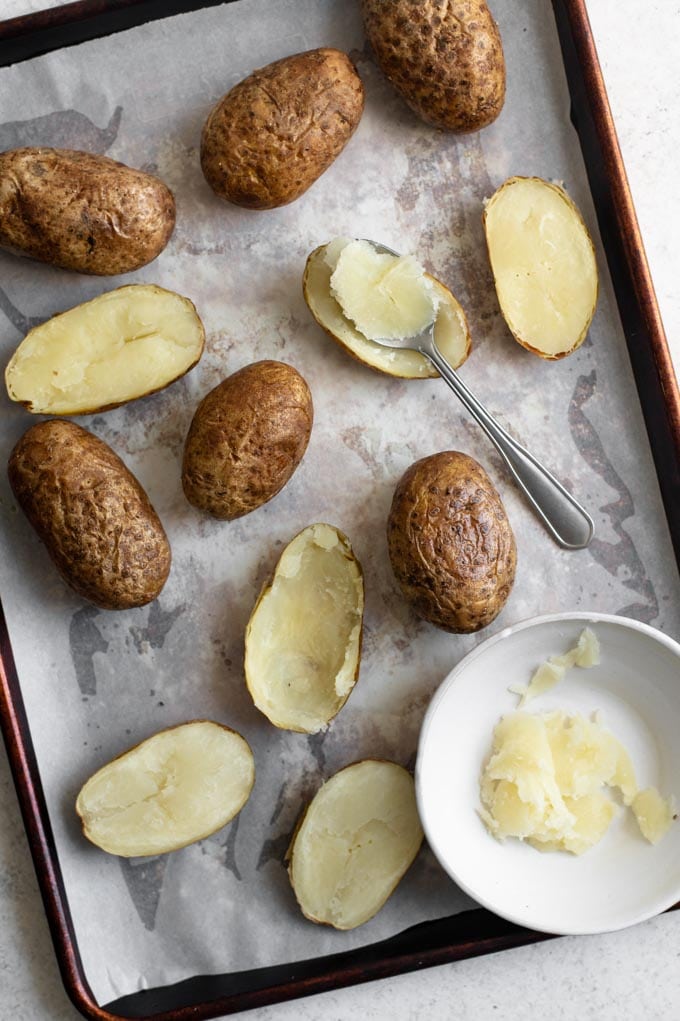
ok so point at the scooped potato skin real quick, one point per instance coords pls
(82, 211)
(271, 136)
(450, 543)
(91, 513)
(246, 439)
(448, 65)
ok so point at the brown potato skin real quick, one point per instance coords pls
(82, 211)
(246, 439)
(447, 65)
(450, 542)
(271, 136)
(93, 516)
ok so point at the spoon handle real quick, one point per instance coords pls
(566, 520)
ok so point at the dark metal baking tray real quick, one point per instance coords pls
(471, 933)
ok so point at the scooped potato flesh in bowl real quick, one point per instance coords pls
(390, 297)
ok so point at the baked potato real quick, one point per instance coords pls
(246, 439)
(175, 788)
(93, 516)
(445, 59)
(269, 139)
(450, 543)
(354, 842)
(451, 331)
(82, 211)
(303, 639)
(543, 263)
(122, 345)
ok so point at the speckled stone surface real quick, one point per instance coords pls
(633, 974)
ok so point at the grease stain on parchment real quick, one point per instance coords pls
(620, 558)
(61, 129)
(144, 880)
(85, 640)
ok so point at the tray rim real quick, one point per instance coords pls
(653, 370)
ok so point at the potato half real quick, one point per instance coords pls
(303, 640)
(543, 263)
(178, 786)
(451, 332)
(355, 841)
(125, 344)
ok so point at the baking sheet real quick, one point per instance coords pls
(96, 682)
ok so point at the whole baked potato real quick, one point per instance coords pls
(271, 136)
(93, 516)
(82, 211)
(246, 439)
(444, 58)
(450, 543)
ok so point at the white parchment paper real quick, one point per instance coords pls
(95, 683)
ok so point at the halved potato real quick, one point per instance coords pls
(354, 842)
(451, 332)
(122, 345)
(303, 640)
(178, 786)
(543, 263)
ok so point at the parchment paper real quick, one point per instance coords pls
(95, 682)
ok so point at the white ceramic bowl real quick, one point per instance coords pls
(636, 687)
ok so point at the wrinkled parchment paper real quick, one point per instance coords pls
(94, 682)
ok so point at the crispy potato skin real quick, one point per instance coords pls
(445, 60)
(247, 437)
(82, 211)
(92, 514)
(450, 542)
(272, 135)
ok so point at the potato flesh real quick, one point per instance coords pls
(304, 637)
(357, 839)
(545, 778)
(543, 265)
(450, 330)
(654, 814)
(585, 654)
(174, 788)
(387, 297)
(113, 349)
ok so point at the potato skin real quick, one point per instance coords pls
(450, 542)
(445, 60)
(92, 514)
(82, 211)
(246, 439)
(271, 136)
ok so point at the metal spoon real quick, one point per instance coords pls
(566, 520)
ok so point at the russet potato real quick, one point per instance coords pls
(444, 59)
(450, 543)
(82, 211)
(93, 516)
(303, 640)
(354, 842)
(246, 439)
(274, 133)
(176, 787)
(451, 331)
(120, 346)
(543, 263)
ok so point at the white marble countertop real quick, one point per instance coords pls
(632, 974)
